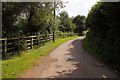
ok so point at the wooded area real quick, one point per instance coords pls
(103, 38)
(23, 25)
(36, 18)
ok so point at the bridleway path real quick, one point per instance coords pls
(69, 60)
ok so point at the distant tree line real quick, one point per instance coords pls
(29, 18)
(103, 38)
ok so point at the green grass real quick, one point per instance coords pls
(102, 57)
(87, 47)
(14, 67)
(91, 49)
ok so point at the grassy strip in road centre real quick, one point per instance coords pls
(12, 68)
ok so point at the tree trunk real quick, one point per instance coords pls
(30, 22)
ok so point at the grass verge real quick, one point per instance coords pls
(100, 57)
(87, 47)
(91, 49)
(14, 67)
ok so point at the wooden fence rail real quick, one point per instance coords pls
(10, 45)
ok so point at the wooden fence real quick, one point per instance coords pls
(10, 45)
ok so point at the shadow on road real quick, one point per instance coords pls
(85, 66)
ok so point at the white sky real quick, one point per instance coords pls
(75, 7)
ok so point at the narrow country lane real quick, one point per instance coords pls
(69, 60)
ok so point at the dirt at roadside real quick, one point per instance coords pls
(69, 60)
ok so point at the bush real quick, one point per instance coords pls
(21, 45)
(103, 38)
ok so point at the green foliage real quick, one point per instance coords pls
(103, 22)
(22, 45)
(66, 23)
(60, 34)
(10, 11)
(63, 16)
(34, 17)
(79, 22)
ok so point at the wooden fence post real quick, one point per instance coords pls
(31, 42)
(5, 45)
(5, 48)
(19, 43)
(53, 36)
(46, 38)
(37, 39)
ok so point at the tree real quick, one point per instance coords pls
(79, 22)
(39, 16)
(63, 16)
(66, 22)
(103, 22)
(10, 12)
(32, 18)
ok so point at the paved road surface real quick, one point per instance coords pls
(69, 60)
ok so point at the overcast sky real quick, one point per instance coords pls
(75, 7)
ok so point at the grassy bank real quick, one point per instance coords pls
(90, 49)
(14, 67)
(102, 57)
